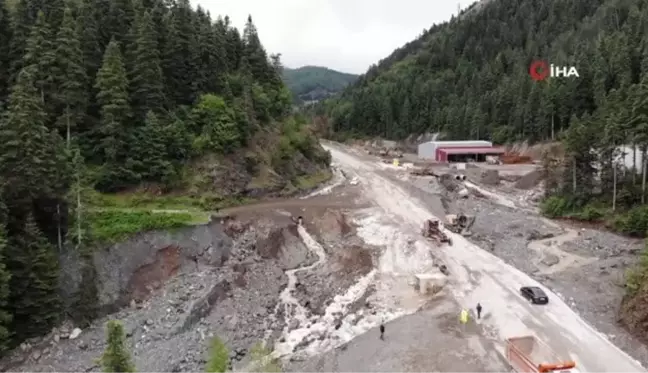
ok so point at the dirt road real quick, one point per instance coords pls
(478, 276)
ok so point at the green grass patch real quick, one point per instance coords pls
(146, 201)
(113, 226)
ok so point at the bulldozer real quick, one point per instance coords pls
(432, 230)
(460, 223)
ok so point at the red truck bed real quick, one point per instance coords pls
(529, 354)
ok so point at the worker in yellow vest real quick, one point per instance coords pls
(463, 317)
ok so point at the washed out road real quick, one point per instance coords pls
(478, 276)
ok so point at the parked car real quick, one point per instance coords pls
(534, 294)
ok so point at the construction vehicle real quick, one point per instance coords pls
(460, 223)
(432, 230)
(528, 354)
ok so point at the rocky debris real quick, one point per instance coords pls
(535, 235)
(170, 330)
(426, 171)
(489, 177)
(449, 182)
(529, 180)
(550, 259)
(347, 259)
(603, 245)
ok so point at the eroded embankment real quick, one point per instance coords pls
(180, 289)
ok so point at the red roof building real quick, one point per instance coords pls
(461, 154)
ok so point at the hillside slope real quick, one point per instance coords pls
(312, 83)
(469, 78)
(124, 96)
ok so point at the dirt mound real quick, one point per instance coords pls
(634, 313)
(335, 224)
(530, 180)
(490, 177)
(533, 151)
(269, 245)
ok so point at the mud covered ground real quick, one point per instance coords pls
(585, 267)
(427, 341)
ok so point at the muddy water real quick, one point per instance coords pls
(293, 311)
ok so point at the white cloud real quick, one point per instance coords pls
(343, 35)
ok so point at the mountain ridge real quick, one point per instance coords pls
(314, 83)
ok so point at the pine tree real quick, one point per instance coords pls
(112, 96)
(116, 358)
(120, 18)
(181, 58)
(28, 159)
(5, 49)
(5, 277)
(255, 54)
(146, 83)
(89, 37)
(40, 54)
(70, 77)
(54, 10)
(23, 19)
(34, 300)
(152, 146)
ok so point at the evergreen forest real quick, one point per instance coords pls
(469, 79)
(104, 96)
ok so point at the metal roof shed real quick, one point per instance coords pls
(443, 154)
(427, 150)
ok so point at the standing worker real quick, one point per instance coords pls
(382, 332)
(479, 309)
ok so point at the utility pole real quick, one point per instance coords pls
(458, 9)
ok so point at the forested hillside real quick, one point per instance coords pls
(311, 83)
(118, 95)
(470, 78)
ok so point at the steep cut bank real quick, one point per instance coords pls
(175, 290)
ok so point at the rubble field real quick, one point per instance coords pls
(177, 301)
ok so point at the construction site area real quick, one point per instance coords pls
(393, 240)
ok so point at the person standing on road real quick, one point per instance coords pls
(479, 309)
(382, 332)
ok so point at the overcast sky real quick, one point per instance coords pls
(344, 35)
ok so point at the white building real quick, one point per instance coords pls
(428, 150)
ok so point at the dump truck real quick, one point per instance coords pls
(528, 354)
(460, 223)
(432, 230)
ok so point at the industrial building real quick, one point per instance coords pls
(458, 151)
